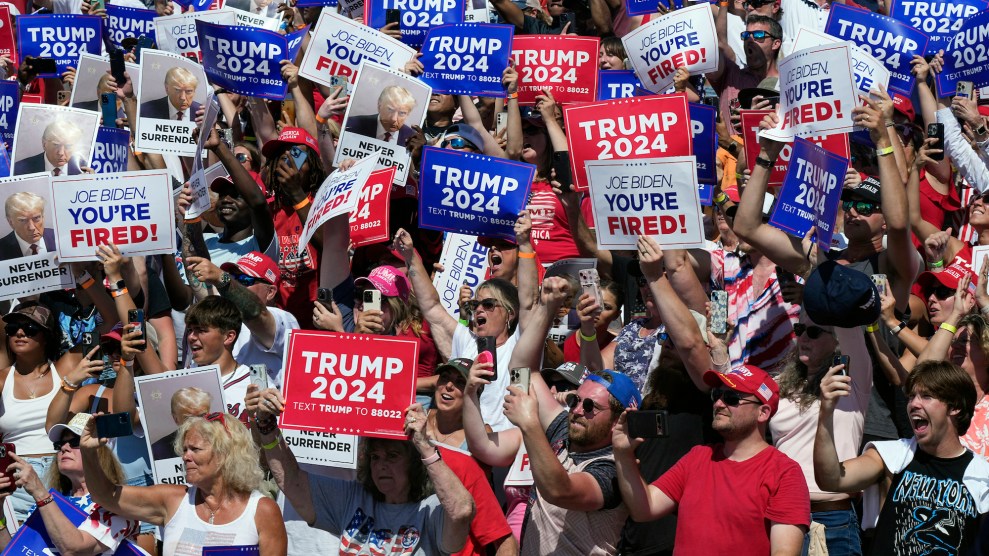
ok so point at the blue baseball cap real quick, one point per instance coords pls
(836, 295)
(621, 388)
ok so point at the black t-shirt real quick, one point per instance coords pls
(928, 510)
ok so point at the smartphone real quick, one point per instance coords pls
(393, 16)
(108, 104)
(143, 42)
(590, 283)
(880, 281)
(519, 376)
(96, 5)
(117, 67)
(6, 461)
(227, 136)
(372, 300)
(487, 344)
(784, 277)
(89, 342)
(648, 424)
(937, 131)
(259, 376)
(561, 166)
(719, 311)
(114, 425)
(501, 121)
(841, 360)
(44, 65)
(63, 96)
(965, 89)
(299, 156)
(136, 319)
(324, 296)
(339, 81)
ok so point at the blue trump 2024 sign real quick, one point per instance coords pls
(466, 58)
(62, 37)
(124, 22)
(10, 101)
(417, 16)
(811, 192)
(967, 56)
(472, 193)
(110, 151)
(702, 123)
(247, 60)
(938, 19)
(614, 84)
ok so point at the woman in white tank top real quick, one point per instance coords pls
(222, 507)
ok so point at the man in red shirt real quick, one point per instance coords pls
(741, 497)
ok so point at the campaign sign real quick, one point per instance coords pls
(817, 92)
(632, 128)
(10, 101)
(111, 150)
(160, 128)
(702, 121)
(199, 182)
(472, 193)
(123, 22)
(520, 473)
(466, 59)
(238, 550)
(614, 84)
(322, 448)
(868, 72)
(465, 261)
(837, 143)
(891, 42)
(683, 38)
(940, 20)
(566, 65)
(348, 383)
(177, 33)
(62, 37)
(196, 5)
(246, 60)
(32, 537)
(8, 46)
(417, 16)
(337, 195)
(340, 44)
(967, 56)
(654, 196)
(132, 210)
(810, 193)
(369, 220)
(255, 20)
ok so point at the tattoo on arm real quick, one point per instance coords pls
(249, 305)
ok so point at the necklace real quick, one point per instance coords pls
(212, 512)
(436, 427)
(33, 393)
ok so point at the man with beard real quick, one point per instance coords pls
(760, 492)
(763, 38)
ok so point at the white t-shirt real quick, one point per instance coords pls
(493, 396)
(235, 390)
(250, 351)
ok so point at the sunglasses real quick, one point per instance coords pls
(586, 405)
(758, 36)
(29, 328)
(216, 416)
(488, 304)
(864, 208)
(756, 3)
(813, 332)
(248, 281)
(241, 157)
(731, 398)
(72, 442)
(458, 143)
(943, 292)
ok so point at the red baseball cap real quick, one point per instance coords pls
(903, 105)
(387, 280)
(948, 277)
(289, 136)
(748, 379)
(257, 265)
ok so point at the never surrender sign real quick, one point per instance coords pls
(566, 65)
(641, 127)
(656, 197)
(466, 59)
(417, 16)
(348, 383)
(247, 60)
(891, 42)
(967, 56)
(684, 38)
(811, 193)
(62, 37)
(938, 19)
(472, 193)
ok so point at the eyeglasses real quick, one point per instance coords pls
(586, 404)
(731, 398)
(248, 281)
(72, 442)
(241, 157)
(864, 208)
(29, 328)
(943, 292)
(458, 143)
(489, 304)
(813, 332)
(757, 36)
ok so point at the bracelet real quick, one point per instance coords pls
(193, 220)
(118, 293)
(514, 95)
(981, 131)
(764, 162)
(898, 328)
(301, 204)
(890, 123)
(88, 283)
(590, 338)
(720, 198)
(44, 502)
(271, 445)
(433, 458)
(68, 387)
(948, 327)
(885, 151)
(265, 427)
(320, 119)
(874, 327)
(937, 264)
(723, 4)
(527, 255)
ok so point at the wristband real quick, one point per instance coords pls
(948, 327)
(890, 123)
(764, 162)
(590, 338)
(527, 255)
(514, 95)
(720, 198)
(88, 283)
(723, 4)
(117, 293)
(898, 328)
(872, 327)
(44, 502)
(320, 119)
(271, 445)
(433, 458)
(885, 151)
(301, 204)
(936, 264)
(68, 387)
(193, 220)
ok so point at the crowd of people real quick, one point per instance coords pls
(843, 409)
